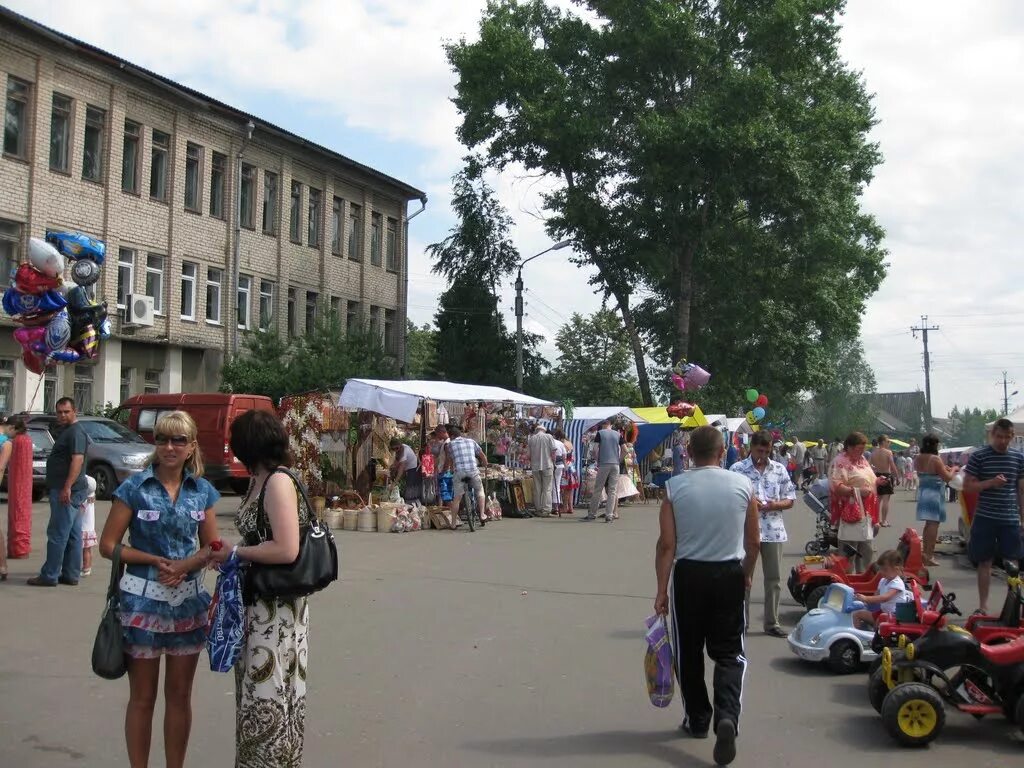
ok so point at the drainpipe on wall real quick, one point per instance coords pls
(236, 258)
(404, 288)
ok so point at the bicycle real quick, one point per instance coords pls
(472, 513)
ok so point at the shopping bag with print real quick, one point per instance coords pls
(226, 630)
(659, 667)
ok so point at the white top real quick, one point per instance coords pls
(540, 445)
(407, 459)
(904, 596)
(710, 508)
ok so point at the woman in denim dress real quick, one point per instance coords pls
(167, 510)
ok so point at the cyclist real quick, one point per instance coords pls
(461, 456)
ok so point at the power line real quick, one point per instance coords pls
(923, 330)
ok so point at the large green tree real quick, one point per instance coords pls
(594, 361)
(709, 152)
(968, 425)
(845, 402)
(421, 344)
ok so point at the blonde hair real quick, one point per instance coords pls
(180, 423)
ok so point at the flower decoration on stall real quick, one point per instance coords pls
(303, 419)
(58, 324)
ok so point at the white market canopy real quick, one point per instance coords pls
(401, 399)
(594, 414)
(742, 426)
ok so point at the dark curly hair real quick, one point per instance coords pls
(258, 440)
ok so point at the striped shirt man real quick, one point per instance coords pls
(1000, 502)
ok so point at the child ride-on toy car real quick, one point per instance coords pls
(827, 633)
(809, 580)
(949, 667)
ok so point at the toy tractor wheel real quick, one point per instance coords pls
(913, 714)
(814, 596)
(877, 689)
(844, 657)
(874, 665)
(813, 548)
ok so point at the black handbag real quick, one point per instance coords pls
(314, 568)
(108, 649)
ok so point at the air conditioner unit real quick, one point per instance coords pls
(138, 310)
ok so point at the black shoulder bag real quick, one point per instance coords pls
(314, 568)
(108, 648)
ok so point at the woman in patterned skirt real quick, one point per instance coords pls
(163, 602)
(270, 674)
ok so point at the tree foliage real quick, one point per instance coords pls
(968, 425)
(421, 346)
(710, 154)
(325, 357)
(594, 361)
(846, 400)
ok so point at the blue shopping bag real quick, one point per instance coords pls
(226, 630)
(659, 666)
(445, 487)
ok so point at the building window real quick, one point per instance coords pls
(126, 383)
(291, 312)
(49, 391)
(16, 118)
(193, 174)
(218, 167)
(152, 386)
(266, 304)
(188, 290)
(158, 169)
(311, 300)
(392, 246)
(60, 132)
(130, 157)
(336, 309)
(244, 290)
(92, 152)
(336, 226)
(125, 275)
(214, 278)
(10, 245)
(294, 224)
(375, 329)
(269, 203)
(375, 224)
(155, 281)
(355, 227)
(390, 337)
(313, 236)
(246, 196)
(6, 385)
(352, 316)
(83, 388)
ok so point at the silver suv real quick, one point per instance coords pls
(115, 453)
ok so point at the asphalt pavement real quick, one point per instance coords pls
(518, 645)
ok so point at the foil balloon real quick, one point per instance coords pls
(104, 329)
(680, 410)
(45, 257)
(16, 303)
(85, 272)
(86, 342)
(28, 337)
(28, 279)
(678, 381)
(36, 321)
(35, 363)
(65, 356)
(695, 377)
(58, 332)
(78, 299)
(75, 245)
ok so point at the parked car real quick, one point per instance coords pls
(115, 453)
(42, 444)
(213, 413)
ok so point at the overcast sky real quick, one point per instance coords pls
(368, 78)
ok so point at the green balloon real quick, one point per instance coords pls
(751, 395)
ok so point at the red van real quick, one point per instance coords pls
(213, 413)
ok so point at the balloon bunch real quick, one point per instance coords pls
(760, 403)
(689, 377)
(681, 409)
(60, 323)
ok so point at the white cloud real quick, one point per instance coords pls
(947, 77)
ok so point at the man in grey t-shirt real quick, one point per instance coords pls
(65, 480)
(607, 449)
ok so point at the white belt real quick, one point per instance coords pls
(136, 585)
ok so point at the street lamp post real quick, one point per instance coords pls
(519, 310)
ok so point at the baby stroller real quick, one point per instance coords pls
(825, 536)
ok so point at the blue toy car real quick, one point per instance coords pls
(827, 633)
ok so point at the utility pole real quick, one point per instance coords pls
(1007, 395)
(923, 329)
(519, 330)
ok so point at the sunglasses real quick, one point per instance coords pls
(177, 440)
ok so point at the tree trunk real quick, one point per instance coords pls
(684, 299)
(638, 348)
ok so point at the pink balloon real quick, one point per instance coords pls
(29, 336)
(678, 381)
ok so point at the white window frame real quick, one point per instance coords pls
(149, 385)
(130, 265)
(244, 298)
(190, 280)
(157, 274)
(219, 284)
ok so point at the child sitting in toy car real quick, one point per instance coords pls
(891, 590)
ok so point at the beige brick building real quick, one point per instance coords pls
(95, 144)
